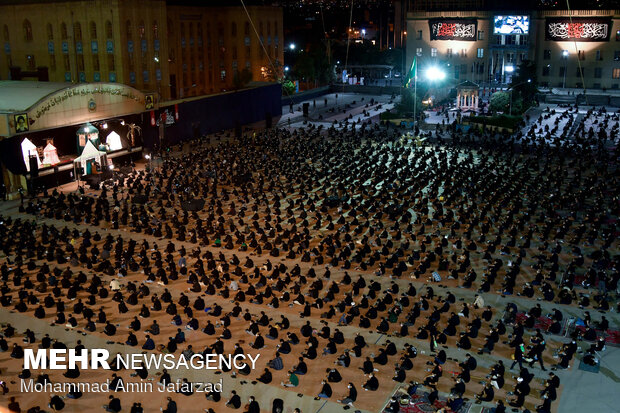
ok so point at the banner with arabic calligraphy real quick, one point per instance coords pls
(453, 29)
(580, 29)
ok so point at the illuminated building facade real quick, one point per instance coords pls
(154, 46)
(487, 47)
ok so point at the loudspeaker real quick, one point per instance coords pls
(268, 120)
(34, 166)
(306, 107)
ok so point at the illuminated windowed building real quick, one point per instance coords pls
(486, 46)
(155, 46)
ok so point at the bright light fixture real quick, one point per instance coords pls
(435, 73)
(509, 68)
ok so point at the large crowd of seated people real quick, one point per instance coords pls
(329, 251)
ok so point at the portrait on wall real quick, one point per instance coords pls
(21, 122)
(148, 101)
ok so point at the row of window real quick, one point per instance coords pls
(581, 54)
(581, 72)
(64, 34)
(450, 52)
(480, 35)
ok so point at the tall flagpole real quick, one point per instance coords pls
(415, 92)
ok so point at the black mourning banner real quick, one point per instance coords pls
(580, 29)
(453, 29)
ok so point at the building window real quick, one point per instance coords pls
(246, 29)
(80, 62)
(580, 71)
(30, 64)
(27, 31)
(63, 31)
(141, 30)
(547, 54)
(234, 52)
(222, 75)
(599, 55)
(128, 29)
(434, 52)
(108, 29)
(449, 53)
(52, 62)
(545, 71)
(480, 53)
(615, 74)
(111, 66)
(581, 54)
(50, 32)
(67, 63)
(480, 35)
(233, 29)
(155, 30)
(598, 72)
(96, 62)
(93, 30)
(77, 32)
(419, 34)
(5, 33)
(246, 41)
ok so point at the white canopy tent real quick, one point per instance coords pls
(50, 155)
(29, 149)
(89, 154)
(114, 141)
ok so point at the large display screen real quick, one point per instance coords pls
(511, 25)
(453, 29)
(580, 29)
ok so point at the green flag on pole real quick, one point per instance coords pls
(412, 72)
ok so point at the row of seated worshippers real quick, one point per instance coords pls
(382, 227)
(387, 228)
(110, 330)
(371, 310)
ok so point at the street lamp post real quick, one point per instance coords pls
(511, 89)
(565, 56)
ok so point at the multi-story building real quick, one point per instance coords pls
(174, 50)
(486, 46)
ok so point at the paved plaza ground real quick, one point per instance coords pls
(581, 391)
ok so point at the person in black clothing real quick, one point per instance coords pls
(326, 391)
(114, 405)
(171, 407)
(57, 404)
(235, 401)
(372, 383)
